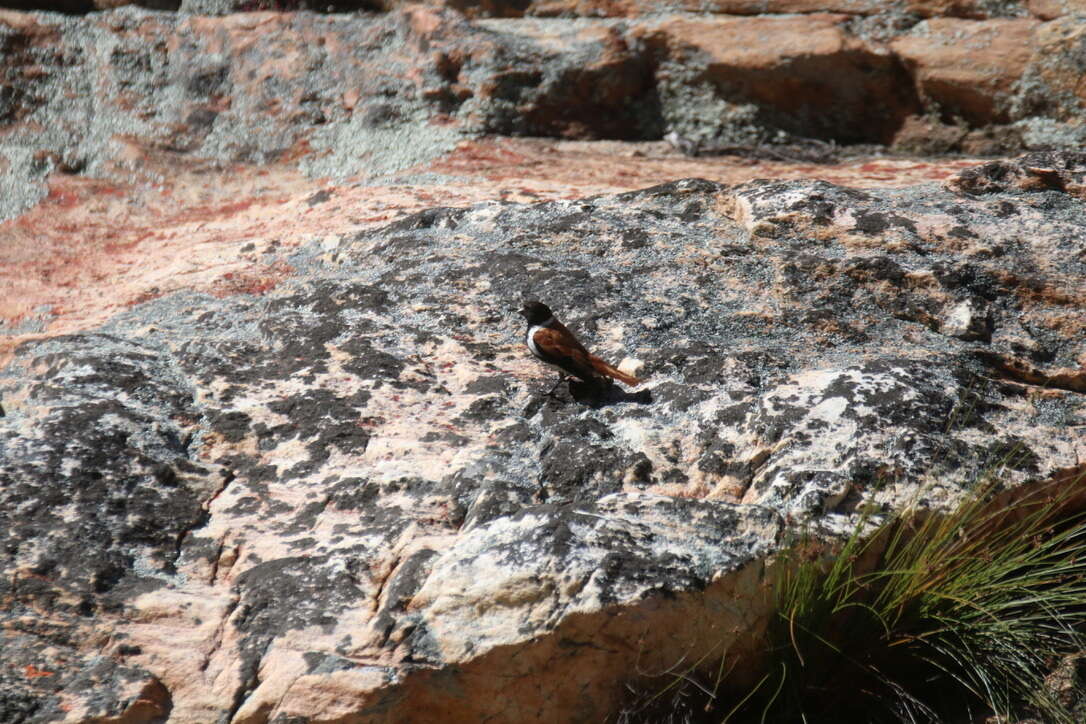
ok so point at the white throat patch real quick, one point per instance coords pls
(531, 333)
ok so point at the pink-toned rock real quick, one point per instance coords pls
(1052, 9)
(807, 72)
(973, 9)
(332, 95)
(970, 69)
(339, 494)
(136, 243)
(1054, 82)
(1033, 172)
(633, 8)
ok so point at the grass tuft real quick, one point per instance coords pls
(921, 617)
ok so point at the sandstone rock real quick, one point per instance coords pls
(969, 69)
(1052, 84)
(928, 136)
(411, 83)
(1052, 9)
(342, 496)
(629, 8)
(345, 95)
(975, 9)
(1032, 172)
(807, 75)
(226, 7)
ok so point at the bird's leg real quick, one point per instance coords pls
(561, 379)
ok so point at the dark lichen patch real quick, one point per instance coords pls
(247, 505)
(305, 519)
(233, 425)
(575, 471)
(968, 278)
(1012, 453)
(441, 217)
(370, 363)
(293, 593)
(445, 436)
(667, 194)
(484, 409)
(482, 351)
(103, 481)
(353, 494)
(681, 397)
(322, 663)
(407, 579)
(635, 239)
(873, 269)
(877, 222)
(346, 437)
(515, 434)
(303, 544)
(325, 300)
(498, 499)
(319, 415)
(698, 363)
(718, 455)
(962, 232)
(489, 384)
(565, 426)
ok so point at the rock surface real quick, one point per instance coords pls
(335, 492)
(344, 95)
(271, 448)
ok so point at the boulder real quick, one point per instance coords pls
(344, 495)
(367, 95)
(807, 75)
(968, 69)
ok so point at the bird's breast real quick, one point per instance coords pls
(530, 341)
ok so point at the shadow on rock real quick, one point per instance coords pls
(589, 395)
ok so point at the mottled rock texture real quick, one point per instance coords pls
(367, 94)
(341, 495)
(271, 449)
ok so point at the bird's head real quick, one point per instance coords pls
(536, 312)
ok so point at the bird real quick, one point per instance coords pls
(550, 341)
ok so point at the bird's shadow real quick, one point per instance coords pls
(589, 395)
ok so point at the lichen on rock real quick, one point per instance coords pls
(346, 495)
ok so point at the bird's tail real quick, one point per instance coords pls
(607, 370)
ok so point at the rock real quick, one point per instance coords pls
(60, 6)
(1051, 85)
(1052, 9)
(928, 136)
(226, 7)
(974, 9)
(807, 75)
(1038, 171)
(129, 94)
(968, 69)
(205, 92)
(341, 495)
(968, 320)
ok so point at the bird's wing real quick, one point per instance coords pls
(569, 337)
(564, 350)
